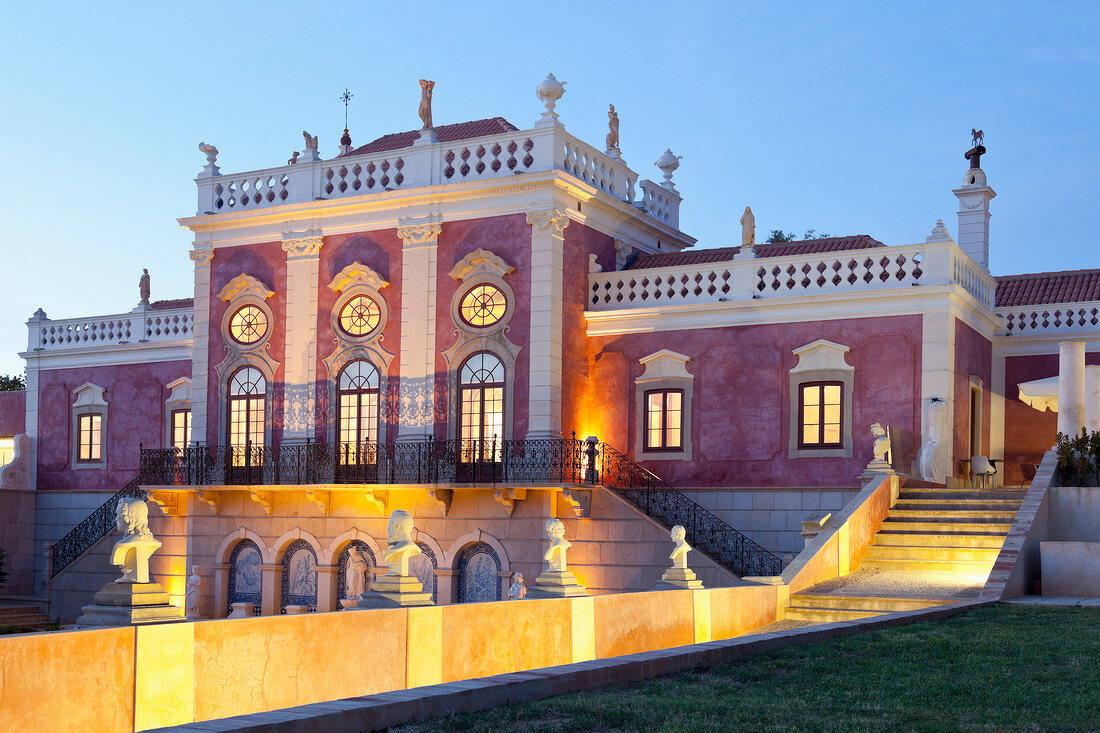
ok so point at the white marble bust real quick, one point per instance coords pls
(680, 551)
(401, 546)
(555, 554)
(132, 552)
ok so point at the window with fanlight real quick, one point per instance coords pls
(360, 316)
(248, 324)
(481, 407)
(247, 411)
(483, 305)
(357, 417)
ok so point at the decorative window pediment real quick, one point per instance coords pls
(478, 262)
(663, 400)
(245, 284)
(664, 364)
(181, 390)
(357, 274)
(822, 354)
(89, 395)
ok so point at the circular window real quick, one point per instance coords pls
(360, 316)
(248, 325)
(483, 306)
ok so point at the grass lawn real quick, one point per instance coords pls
(1000, 668)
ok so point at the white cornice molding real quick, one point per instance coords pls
(245, 284)
(357, 274)
(479, 261)
(114, 355)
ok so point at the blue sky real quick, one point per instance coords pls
(849, 118)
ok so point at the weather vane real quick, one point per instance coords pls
(345, 98)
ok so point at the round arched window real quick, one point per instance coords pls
(483, 306)
(248, 325)
(360, 316)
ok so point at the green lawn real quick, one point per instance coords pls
(1000, 668)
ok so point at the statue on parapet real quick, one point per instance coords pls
(748, 228)
(132, 552)
(977, 136)
(143, 287)
(881, 447)
(612, 129)
(425, 110)
(311, 142)
(211, 153)
(555, 554)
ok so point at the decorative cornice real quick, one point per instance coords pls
(357, 274)
(300, 245)
(201, 257)
(480, 260)
(245, 285)
(548, 221)
(419, 233)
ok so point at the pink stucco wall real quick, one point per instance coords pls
(13, 412)
(135, 395)
(741, 410)
(973, 357)
(510, 238)
(267, 263)
(381, 251)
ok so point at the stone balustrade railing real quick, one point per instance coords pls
(878, 268)
(545, 147)
(1052, 318)
(140, 326)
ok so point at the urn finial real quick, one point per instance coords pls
(668, 163)
(549, 91)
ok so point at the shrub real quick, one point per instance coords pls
(1079, 458)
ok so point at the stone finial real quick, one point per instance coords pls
(211, 167)
(668, 163)
(40, 315)
(549, 91)
(939, 233)
(132, 552)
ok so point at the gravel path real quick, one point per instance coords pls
(895, 584)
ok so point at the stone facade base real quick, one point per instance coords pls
(123, 604)
(556, 584)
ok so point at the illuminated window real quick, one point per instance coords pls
(7, 450)
(89, 438)
(247, 398)
(181, 429)
(819, 411)
(483, 306)
(358, 412)
(360, 316)
(248, 325)
(664, 420)
(481, 407)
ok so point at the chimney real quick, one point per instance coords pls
(974, 197)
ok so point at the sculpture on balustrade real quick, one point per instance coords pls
(143, 287)
(211, 153)
(397, 589)
(549, 91)
(679, 576)
(612, 129)
(880, 449)
(131, 599)
(293, 158)
(311, 142)
(191, 594)
(556, 581)
(517, 591)
(425, 110)
(748, 228)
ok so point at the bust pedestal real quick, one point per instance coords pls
(877, 467)
(394, 591)
(556, 584)
(123, 603)
(679, 579)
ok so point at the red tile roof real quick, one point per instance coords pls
(1040, 288)
(164, 305)
(444, 133)
(779, 249)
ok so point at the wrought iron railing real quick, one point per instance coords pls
(705, 531)
(92, 529)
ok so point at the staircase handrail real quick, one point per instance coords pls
(705, 531)
(91, 529)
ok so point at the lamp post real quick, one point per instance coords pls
(591, 476)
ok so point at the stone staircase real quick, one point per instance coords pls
(23, 615)
(934, 547)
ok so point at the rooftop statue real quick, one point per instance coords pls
(612, 128)
(210, 151)
(425, 110)
(748, 228)
(311, 142)
(977, 136)
(143, 287)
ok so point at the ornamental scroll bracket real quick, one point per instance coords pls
(442, 498)
(320, 498)
(167, 501)
(302, 244)
(266, 499)
(579, 501)
(509, 497)
(212, 499)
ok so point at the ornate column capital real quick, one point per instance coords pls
(419, 234)
(548, 221)
(300, 245)
(201, 256)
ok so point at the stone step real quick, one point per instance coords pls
(996, 505)
(28, 620)
(940, 539)
(880, 604)
(960, 554)
(979, 494)
(977, 570)
(826, 615)
(952, 515)
(900, 524)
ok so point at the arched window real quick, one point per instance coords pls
(245, 585)
(299, 576)
(358, 403)
(478, 574)
(481, 407)
(247, 398)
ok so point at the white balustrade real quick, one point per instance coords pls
(845, 271)
(488, 157)
(659, 286)
(361, 174)
(597, 169)
(250, 190)
(1050, 318)
(147, 326)
(973, 278)
(661, 203)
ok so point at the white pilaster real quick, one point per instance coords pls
(547, 263)
(1071, 387)
(303, 254)
(200, 353)
(1092, 398)
(997, 403)
(420, 237)
(938, 382)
